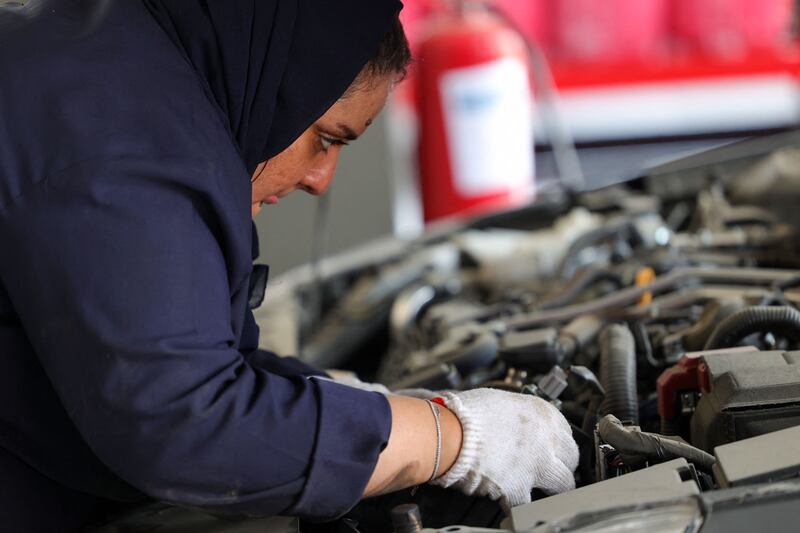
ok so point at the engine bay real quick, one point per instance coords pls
(660, 315)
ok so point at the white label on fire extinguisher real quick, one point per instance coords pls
(488, 116)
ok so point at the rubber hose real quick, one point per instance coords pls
(677, 279)
(590, 418)
(696, 337)
(783, 321)
(593, 237)
(638, 443)
(618, 373)
(581, 281)
(578, 334)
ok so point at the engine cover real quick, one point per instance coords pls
(745, 395)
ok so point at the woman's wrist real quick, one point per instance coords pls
(452, 436)
(410, 454)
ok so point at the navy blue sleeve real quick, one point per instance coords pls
(270, 361)
(285, 366)
(118, 273)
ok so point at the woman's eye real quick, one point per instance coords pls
(327, 142)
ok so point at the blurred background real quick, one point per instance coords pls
(509, 97)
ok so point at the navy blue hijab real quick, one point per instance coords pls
(272, 66)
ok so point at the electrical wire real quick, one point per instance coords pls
(630, 442)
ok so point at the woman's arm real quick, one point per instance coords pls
(126, 278)
(409, 457)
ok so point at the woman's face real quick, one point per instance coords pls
(309, 163)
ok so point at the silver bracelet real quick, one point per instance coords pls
(438, 456)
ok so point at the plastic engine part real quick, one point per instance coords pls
(750, 394)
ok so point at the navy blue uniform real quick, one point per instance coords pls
(128, 361)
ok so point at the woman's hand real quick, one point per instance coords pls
(494, 443)
(512, 443)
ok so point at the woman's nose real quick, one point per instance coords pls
(318, 180)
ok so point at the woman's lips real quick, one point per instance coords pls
(272, 200)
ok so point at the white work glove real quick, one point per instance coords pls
(512, 443)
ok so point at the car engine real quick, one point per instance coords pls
(660, 315)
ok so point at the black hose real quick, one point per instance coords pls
(696, 337)
(582, 280)
(541, 349)
(644, 347)
(678, 278)
(782, 321)
(618, 373)
(638, 443)
(578, 334)
(595, 237)
(590, 418)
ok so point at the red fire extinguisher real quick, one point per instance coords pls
(475, 114)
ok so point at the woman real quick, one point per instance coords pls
(137, 138)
